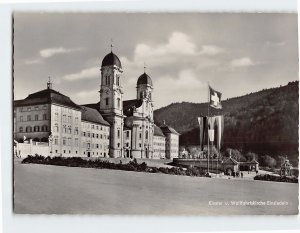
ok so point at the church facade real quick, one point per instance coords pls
(113, 127)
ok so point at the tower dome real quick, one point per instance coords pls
(111, 59)
(144, 79)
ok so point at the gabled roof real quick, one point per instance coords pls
(129, 105)
(158, 132)
(230, 160)
(167, 129)
(92, 115)
(47, 96)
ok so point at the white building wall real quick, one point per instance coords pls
(66, 131)
(159, 147)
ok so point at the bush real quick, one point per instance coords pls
(98, 163)
(268, 177)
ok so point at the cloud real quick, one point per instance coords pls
(241, 62)
(88, 73)
(49, 52)
(211, 50)
(174, 89)
(275, 44)
(85, 94)
(33, 61)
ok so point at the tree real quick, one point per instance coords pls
(251, 156)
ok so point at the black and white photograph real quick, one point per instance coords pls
(155, 113)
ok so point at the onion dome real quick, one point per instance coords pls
(111, 59)
(144, 79)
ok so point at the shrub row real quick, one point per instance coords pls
(130, 166)
(268, 177)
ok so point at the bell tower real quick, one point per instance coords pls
(111, 101)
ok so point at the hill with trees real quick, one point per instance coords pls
(264, 122)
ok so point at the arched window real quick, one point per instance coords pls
(76, 130)
(36, 128)
(118, 102)
(118, 133)
(44, 128)
(64, 129)
(69, 130)
(127, 134)
(118, 80)
(28, 129)
(21, 129)
(146, 134)
(107, 80)
(106, 100)
(56, 129)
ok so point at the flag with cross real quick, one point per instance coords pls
(215, 98)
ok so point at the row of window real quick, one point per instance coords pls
(35, 108)
(29, 129)
(65, 118)
(92, 126)
(159, 143)
(76, 152)
(68, 142)
(36, 118)
(107, 80)
(95, 135)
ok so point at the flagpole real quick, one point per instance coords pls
(208, 128)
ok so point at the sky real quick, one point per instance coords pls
(236, 53)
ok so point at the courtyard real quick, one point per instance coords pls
(45, 189)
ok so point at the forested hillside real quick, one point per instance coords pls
(264, 122)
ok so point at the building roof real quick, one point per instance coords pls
(47, 96)
(129, 105)
(167, 129)
(92, 115)
(93, 105)
(158, 132)
(111, 59)
(144, 79)
(230, 160)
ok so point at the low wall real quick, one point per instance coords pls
(214, 164)
(21, 150)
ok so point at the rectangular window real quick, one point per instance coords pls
(21, 118)
(118, 133)
(64, 142)
(28, 118)
(36, 117)
(76, 142)
(44, 116)
(106, 101)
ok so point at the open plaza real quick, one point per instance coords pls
(46, 189)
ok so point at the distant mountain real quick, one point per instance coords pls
(264, 122)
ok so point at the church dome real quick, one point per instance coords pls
(111, 59)
(144, 79)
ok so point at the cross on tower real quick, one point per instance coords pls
(49, 84)
(111, 45)
(145, 67)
